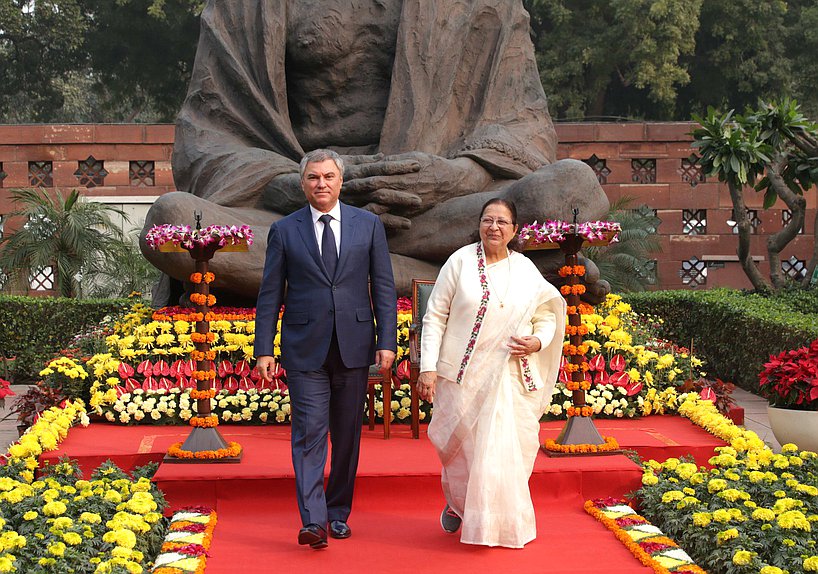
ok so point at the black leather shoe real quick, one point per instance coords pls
(339, 529)
(314, 535)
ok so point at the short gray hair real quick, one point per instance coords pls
(319, 155)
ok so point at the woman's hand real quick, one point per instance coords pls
(522, 346)
(426, 385)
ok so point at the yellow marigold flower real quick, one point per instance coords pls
(811, 564)
(722, 515)
(671, 463)
(764, 514)
(57, 549)
(686, 470)
(701, 518)
(672, 496)
(726, 535)
(30, 515)
(72, 538)
(771, 570)
(716, 485)
(54, 508)
(742, 557)
(649, 479)
(794, 520)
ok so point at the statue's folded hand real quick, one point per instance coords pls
(410, 183)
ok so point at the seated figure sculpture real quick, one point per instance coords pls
(435, 105)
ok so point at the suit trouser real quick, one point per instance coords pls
(330, 400)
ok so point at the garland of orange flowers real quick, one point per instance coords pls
(198, 395)
(192, 316)
(202, 299)
(175, 557)
(576, 330)
(202, 337)
(198, 278)
(203, 375)
(603, 511)
(233, 450)
(567, 270)
(610, 444)
(577, 289)
(569, 349)
(202, 355)
(209, 421)
(578, 385)
(583, 411)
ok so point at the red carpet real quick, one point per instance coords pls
(397, 499)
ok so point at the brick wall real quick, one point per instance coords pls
(129, 166)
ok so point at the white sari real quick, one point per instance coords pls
(486, 428)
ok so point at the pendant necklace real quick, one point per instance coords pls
(508, 284)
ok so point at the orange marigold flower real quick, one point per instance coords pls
(565, 289)
(198, 395)
(209, 277)
(196, 278)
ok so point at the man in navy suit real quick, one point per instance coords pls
(329, 264)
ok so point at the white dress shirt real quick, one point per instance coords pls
(335, 224)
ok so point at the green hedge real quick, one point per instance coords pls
(33, 329)
(734, 332)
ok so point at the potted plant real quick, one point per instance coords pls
(789, 382)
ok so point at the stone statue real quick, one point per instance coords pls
(436, 105)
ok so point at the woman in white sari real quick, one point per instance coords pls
(490, 352)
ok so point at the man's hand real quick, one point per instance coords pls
(267, 365)
(384, 360)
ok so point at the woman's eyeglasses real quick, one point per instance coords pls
(488, 222)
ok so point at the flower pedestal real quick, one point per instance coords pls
(204, 444)
(579, 435)
(797, 427)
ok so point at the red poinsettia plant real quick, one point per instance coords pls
(790, 379)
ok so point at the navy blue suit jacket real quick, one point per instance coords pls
(294, 275)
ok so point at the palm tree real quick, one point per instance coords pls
(69, 235)
(626, 264)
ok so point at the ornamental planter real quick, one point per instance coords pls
(797, 427)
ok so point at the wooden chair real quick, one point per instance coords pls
(376, 378)
(421, 289)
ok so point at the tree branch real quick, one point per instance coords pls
(778, 241)
(744, 229)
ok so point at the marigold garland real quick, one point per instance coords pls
(567, 270)
(585, 309)
(202, 299)
(203, 375)
(202, 337)
(185, 557)
(191, 315)
(610, 444)
(584, 411)
(198, 395)
(204, 422)
(569, 349)
(576, 329)
(620, 519)
(233, 450)
(578, 385)
(198, 277)
(202, 355)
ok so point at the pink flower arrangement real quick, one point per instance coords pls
(189, 238)
(790, 379)
(555, 231)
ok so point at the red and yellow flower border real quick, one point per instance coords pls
(649, 545)
(184, 550)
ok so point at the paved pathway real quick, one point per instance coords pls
(755, 417)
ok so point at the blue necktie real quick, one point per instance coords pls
(329, 252)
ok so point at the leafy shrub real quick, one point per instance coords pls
(34, 329)
(734, 332)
